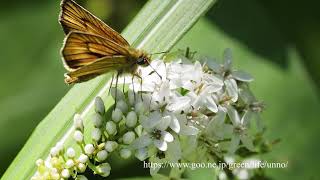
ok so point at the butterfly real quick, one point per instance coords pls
(92, 48)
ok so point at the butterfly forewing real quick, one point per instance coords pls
(81, 49)
(75, 18)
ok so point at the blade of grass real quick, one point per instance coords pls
(158, 26)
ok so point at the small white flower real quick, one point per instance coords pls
(240, 133)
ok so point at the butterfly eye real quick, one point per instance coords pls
(141, 61)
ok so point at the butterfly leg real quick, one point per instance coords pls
(111, 84)
(134, 93)
(138, 76)
(116, 93)
(124, 82)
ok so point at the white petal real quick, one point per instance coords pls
(188, 130)
(242, 76)
(141, 142)
(174, 124)
(161, 145)
(211, 105)
(235, 140)
(227, 57)
(166, 136)
(246, 95)
(247, 142)
(214, 88)
(214, 65)
(232, 89)
(164, 122)
(245, 120)
(151, 121)
(174, 151)
(233, 115)
(179, 104)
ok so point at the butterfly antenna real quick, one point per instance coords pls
(154, 70)
(116, 93)
(163, 52)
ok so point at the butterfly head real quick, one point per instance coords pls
(143, 60)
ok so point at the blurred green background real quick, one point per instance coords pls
(276, 41)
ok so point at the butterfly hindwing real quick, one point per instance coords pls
(73, 17)
(96, 68)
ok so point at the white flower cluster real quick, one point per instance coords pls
(172, 110)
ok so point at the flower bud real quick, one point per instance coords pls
(81, 167)
(54, 151)
(131, 97)
(116, 115)
(78, 122)
(83, 158)
(111, 128)
(78, 136)
(138, 130)
(125, 153)
(65, 173)
(97, 120)
(59, 146)
(81, 177)
(128, 137)
(88, 149)
(141, 154)
(102, 155)
(131, 119)
(96, 134)
(120, 95)
(69, 163)
(99, 105)
(104, 169)
(111, 146)
(122, 105)
(71, 153)
(139, 108)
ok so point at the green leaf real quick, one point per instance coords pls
(158, 26)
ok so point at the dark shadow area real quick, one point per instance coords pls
(247, 21)
(269, 27)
